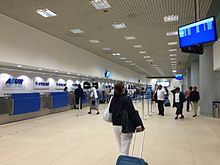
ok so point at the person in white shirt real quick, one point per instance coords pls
(161, 92)
(179, 99)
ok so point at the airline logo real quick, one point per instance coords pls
(14, 81)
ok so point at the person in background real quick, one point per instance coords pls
(79, 95)
(179, 99)
(173, 91)
(93, 101)
(107, 93)
(187, 95)
(194, 98)
(161, 93)
(65, 89)
(120, 102)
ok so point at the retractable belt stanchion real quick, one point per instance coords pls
(142, 98)
(79, 113)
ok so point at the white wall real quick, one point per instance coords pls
(216, 55)
(22, 44)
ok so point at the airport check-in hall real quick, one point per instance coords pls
(109, 82)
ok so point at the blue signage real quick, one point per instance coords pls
(149, 91)
(179, 77)
(61, 84)
(14, 81)
(198, 32)
(45, 84)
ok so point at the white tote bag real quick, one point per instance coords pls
(107, 116)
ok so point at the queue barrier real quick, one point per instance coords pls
(59, 99)
(25, 103)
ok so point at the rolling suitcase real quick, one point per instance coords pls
(131, 160)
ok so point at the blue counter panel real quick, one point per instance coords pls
(25, 103)
(59, 99)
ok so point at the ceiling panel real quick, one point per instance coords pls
(144, 20)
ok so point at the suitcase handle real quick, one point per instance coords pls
(142, 144)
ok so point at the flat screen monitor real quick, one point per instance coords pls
(86, 85)
(179, 77)
(107, 74)
(196, 33)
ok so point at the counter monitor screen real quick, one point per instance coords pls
(200, 32)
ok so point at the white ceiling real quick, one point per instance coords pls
(144, 20)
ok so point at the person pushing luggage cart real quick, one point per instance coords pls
(93, 102)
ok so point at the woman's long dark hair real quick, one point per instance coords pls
(119, 89)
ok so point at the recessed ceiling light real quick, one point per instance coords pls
(137, 46)
(39, 69)
(123, 58)
(107, 49)
(174, 33)
(173, 64)
(43, 73)
(46, 13)
(174, 71)
(130, 37)
(154, 65)
(119, 26)
(78, 74)
(172, 43)
(173, 55)
(142, 52)
(173, 59)
(68, 73)
(56, 71)
(95, 41)
(172, 50)
(77, 31)
(19, 66)
(87, 75)
(150, 60)
(133, 64)
(171, 18)
(128, 61)
(116, 54)
(100, 4)
(146, 56)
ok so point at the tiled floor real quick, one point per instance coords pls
(65, 139)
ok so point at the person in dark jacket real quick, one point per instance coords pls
(119, 103)
(179, 99)
(194, 98)
(79, 96)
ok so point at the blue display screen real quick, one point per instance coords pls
(107, 74)
(197, 33)
(179, 76)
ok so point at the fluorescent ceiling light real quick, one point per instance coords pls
(77, 31)
(116, 54)
(123, 58)
(155, 66)
(171, 18)
(172, 43)
(46, 13)
(130, 37)
(173, 55)
(43, 73)
(173, 62)
(95, 41)
(174, 33)
(174, 71)
(128, 61)
(78, 74)
(149, 60)
(68, 73)
(56, 71)
(100, 4)
(137, 46)
(19, 66)
(39, 69)
(142, 52)
(172, 50)
(133, 64)
(137, 66)
(87, 75)
(107, 49)
(146, 56)
(173, 59)
(119, 26)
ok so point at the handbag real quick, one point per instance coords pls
(107, 116)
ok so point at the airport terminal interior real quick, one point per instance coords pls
(65, 63)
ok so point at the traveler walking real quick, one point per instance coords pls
(107, 93)
(93, 101)
(194, 98)
(161, 93)
(187, 95)
(179, 99)
(121, 104)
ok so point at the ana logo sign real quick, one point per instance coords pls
(14, 81)
(61, 84)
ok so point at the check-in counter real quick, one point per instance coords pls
(5, 104)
